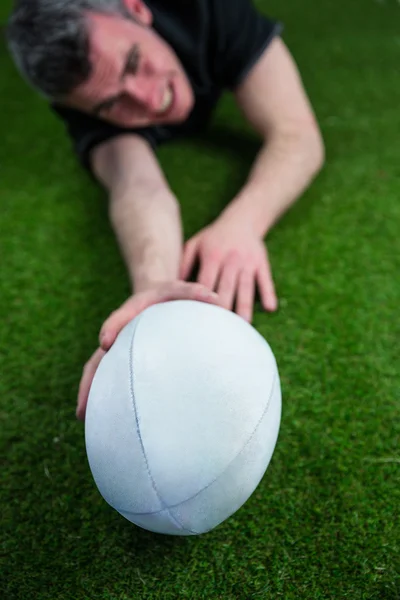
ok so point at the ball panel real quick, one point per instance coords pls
(202, 378)
(234, 487)
(113, 447)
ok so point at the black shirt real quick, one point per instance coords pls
(217, 41)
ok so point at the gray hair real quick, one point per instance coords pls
(49, 41)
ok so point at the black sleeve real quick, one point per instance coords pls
(86, 132)
(242, 34)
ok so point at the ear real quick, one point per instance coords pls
(139, 11)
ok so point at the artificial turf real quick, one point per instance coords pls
(324, 521)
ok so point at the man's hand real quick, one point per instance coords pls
(89, 371)
(233, 259)
(160, 292)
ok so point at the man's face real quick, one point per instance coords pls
(137, 79)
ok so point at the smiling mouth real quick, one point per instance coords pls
(167, 101)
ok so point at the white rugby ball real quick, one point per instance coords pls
(183, 417)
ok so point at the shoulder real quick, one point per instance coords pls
(242, 34)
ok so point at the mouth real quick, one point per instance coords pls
(167, 101)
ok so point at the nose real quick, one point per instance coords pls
(146, 90)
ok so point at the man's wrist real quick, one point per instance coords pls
(149, 275)
(283, 169)
(249, 209)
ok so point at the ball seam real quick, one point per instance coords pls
(136, 416)
(226, 467)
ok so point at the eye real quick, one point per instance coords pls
(108, 106)
(133, 61)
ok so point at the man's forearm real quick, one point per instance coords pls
(148, 228)
(284, 167)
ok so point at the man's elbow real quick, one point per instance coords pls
(301, 144)
(314, 149)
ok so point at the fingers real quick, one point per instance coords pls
(239, 280)
(188, 258)
(89, 371)
(128, 311)
(266, 287)
(182, 290)
(245, 295)
(177, 290)
(198, 292)
(228, 283)
(209, 271)
(240, 284)
(117, 321)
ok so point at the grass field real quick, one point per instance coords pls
(324, 522)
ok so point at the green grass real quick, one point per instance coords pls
(324, 522)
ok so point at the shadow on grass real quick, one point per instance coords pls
(241, 148)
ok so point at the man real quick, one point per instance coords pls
(127, 75)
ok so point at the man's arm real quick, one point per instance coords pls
(146, 218)
(144, 212)
(232, 254)
(274, 102)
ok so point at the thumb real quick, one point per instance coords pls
(86, 381)
(117, 321)
(130, 309)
